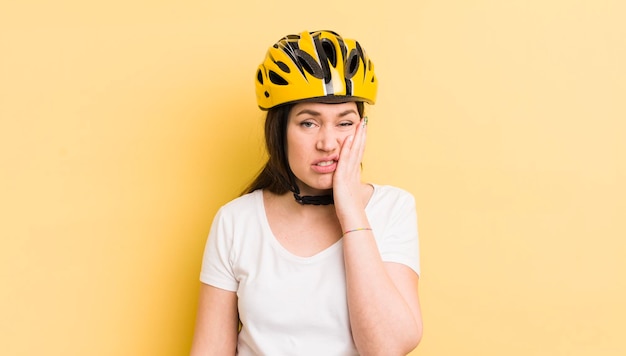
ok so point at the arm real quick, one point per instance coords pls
(217, 323)
(382, 297)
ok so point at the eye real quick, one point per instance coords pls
(346, 124)
(307, 124)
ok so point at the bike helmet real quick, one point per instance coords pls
(315, 66)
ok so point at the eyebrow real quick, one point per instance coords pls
(316, 113)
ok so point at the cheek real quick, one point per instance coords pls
(295, 151)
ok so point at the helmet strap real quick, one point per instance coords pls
(314, 200)
(308, 199)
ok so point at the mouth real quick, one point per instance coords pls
(325, 163)
(326, 166)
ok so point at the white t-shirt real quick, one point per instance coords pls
(292, 305)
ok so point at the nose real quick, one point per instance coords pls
(328, 140)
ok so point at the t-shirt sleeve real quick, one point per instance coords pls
(400, 241)
(217, 262)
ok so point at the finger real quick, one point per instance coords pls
(358, 146)
(344, 154)
(352, 149)
(363, 139)
(355, 139)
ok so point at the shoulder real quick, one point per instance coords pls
(238, 216)
(389, 195)
(243, 206)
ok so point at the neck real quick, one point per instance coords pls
(292, 208)
(314, 199)
(324, 198)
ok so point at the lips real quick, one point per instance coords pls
(326, 165)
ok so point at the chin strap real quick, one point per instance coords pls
(308, 199)
(314, 200)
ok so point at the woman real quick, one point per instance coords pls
(312, 261)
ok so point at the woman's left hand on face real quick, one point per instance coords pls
(347, 177)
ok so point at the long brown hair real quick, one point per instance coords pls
(276, 176)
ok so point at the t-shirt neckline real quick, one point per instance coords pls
(258, 194)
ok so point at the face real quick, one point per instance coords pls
(315, 134)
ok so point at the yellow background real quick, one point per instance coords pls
(124, 125)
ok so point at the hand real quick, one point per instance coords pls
(347, 177)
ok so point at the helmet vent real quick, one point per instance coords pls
(309, 64)
(277, 79)
(283, 67)
(353, 64)
(329, 50)
(259, 76)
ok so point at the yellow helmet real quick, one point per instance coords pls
(315, 66)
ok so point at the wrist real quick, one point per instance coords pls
(356, 230)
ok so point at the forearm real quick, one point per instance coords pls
(382, 321)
